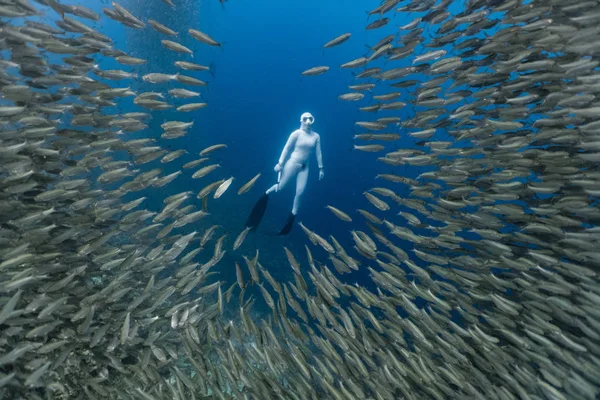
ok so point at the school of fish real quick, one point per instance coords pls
(101, 298)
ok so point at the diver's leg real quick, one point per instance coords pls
(300, 186)
(272, 189)
(260, 207)
(301, 180)
(286, 173)
(289, 170)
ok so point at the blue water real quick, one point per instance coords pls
(255, 97)
(255, 100)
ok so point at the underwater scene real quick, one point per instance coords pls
(229, 199)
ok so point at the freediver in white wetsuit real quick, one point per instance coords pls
(301, 144)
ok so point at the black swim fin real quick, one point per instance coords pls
(257, 212)
(288, 225)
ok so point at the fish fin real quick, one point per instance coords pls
(212, 69)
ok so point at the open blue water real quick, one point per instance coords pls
(255, 96)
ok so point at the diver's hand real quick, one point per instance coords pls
(278, 168)
(321, 173)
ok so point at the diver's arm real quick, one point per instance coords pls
(286, 149)
(319, 157)
(318, 153)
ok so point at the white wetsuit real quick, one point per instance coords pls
(302, 141)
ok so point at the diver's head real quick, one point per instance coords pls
(307, 120)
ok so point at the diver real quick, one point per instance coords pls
(300, 144)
